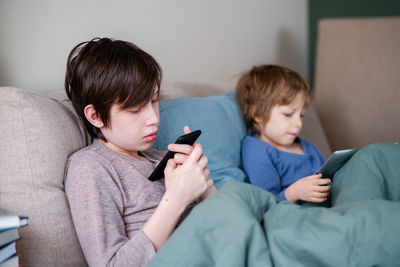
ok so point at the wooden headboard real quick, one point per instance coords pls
(357, 80)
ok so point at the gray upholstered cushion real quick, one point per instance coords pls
(37, 135)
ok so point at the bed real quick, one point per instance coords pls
(242, 225)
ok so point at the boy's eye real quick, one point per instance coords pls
(135, 111)
(287, 114)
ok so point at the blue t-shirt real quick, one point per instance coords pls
(274, 169)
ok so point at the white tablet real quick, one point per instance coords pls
(335, 161)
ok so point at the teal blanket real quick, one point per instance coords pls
(242, 225)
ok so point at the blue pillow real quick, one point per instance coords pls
(223, 128)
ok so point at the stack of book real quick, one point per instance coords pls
(9, 225)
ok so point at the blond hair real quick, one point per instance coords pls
(264, 87)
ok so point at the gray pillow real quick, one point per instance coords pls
(37, 135)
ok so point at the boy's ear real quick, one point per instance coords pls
(92, 116)
(256, 118)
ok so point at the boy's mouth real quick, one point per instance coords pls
(151, 137)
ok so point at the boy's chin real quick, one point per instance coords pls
(147, 146)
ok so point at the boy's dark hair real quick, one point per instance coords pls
(266, 86)
(103, 72)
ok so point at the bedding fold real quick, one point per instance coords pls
(243, 225)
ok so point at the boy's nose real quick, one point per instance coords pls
(298, 122)
(152, 115)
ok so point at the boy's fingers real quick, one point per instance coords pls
(314, 176)
(171, 165)
(318, 200)
(186, 129)
(203, 161)
(180, 148)
(323, 188)
(324, 181)
(196, 153)
(207, 172)
(180, 158)
(321, 194)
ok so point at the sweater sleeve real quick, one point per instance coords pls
(96, 204)
(259, 167)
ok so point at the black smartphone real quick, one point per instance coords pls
(187, 139)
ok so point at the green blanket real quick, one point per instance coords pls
(242, 225)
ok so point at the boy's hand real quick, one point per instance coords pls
(312, 188)
(183, 151)
(188, 181)
(186, 176)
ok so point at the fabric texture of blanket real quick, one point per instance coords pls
(242, 225)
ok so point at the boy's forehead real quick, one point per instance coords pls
(122, 102)
(299, 102)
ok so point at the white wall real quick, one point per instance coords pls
(194, 41)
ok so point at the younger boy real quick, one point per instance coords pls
(273, 100)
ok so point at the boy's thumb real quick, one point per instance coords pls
(171, 165)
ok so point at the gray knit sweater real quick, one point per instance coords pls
(110, 200)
